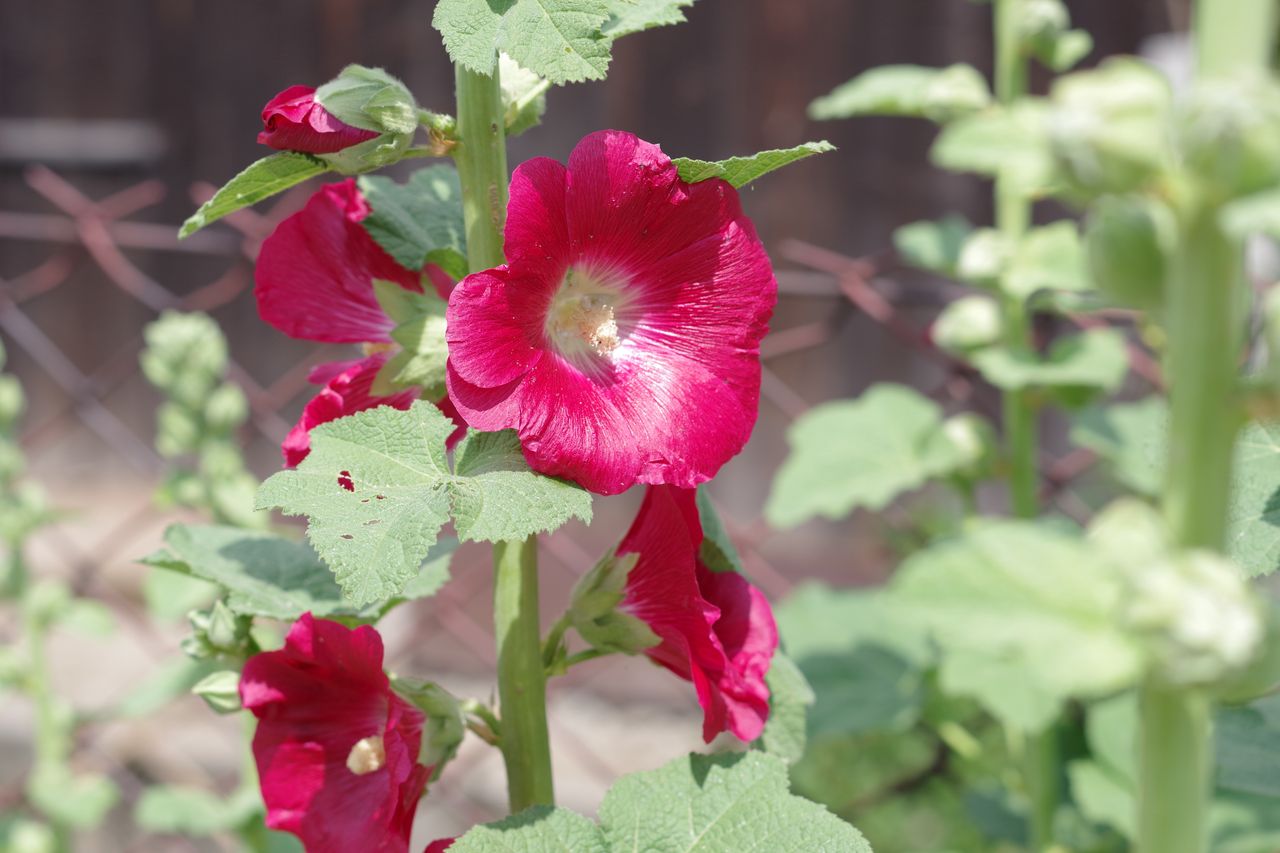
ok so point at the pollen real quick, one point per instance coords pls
(367, 756)
(582, 317)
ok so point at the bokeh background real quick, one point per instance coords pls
(117, 116)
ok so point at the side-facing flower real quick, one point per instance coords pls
(716, 629)
(314, 280)
(336, 748)
(622, 338)
(293, 121)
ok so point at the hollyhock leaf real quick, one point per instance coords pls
(720, 802)
(193, 811)
(524, 96)
(1254, 214)
(1011, 142)
(276, 578)
(717, 551)
(933, 245)
(171, 679)
(1253, 534)
(1096, 359)
(1006, 596)
(740, 171)
(1247, 750)
(1130, 439)
(558, 39)
(632, 16)
(497, 497)
(80, 800)
(259, 180)
(541, 829)
(790, 698)
(419, 221)
(940, 94)
(1047, 258)
(900, 446)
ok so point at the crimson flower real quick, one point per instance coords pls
(717, 629)
(439, 845)
(314, 280)
(293, 121)
(336, 748)
(622, 338)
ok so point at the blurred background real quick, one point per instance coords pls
(117, 117)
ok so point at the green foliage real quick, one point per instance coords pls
(594, 613)
(933, 246)
(1045, 30)
(633, 16)
(1047, 258)
(968, 324)
(524, 95)
(419, 330)
(377, 488)
(79, 800)
(717, 553)
(1253, 539)
(900, 446)
(370, 99)
(194, 812)
(1006, 141)
(261, 179)
(1096, 360)
(940, 94)
(740, 171)
(1258, 213)
(1129, 239)
(1129, 438)
(275, 578)
(420, 221)
(1006, 596)
(1248, 747)
(695, 804)
(790, 697)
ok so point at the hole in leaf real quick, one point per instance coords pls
(344, 480)
(347, 536)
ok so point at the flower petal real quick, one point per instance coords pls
(494, 328)
(293, 121)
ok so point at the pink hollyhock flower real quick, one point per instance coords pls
(336, 748)
(622, 338)
(439, 845)
(314, 280)
(717, 629)
(293, 121)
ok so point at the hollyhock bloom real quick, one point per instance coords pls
(622, 338)
(293, 121)
(336, 748)
(439, 845)
(717, 629)
(314, 280)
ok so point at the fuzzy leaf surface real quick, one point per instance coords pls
(541, 829)
(262, 179)
(907, 90)
(740, 171)
(419, 221)
(1095, 359)
(632, 16)
(790, 697)
(561, 40)
(1129, 438)
(1248, 747)
(1253, 534)
(899, 445)
(377, 487)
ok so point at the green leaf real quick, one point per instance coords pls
(1010, 142)
(740, 171)
(933, 246)
(541, 829)
(1047, 258)
(1254, 214)
(790, 697)
(1096, 359)
(561, 40)
(1007, 596)
(968, 324)
(1248, 747)
(377, 488)
(80, 800)
(419, 221)
(276, 578)
(524, 95)
(173, 678)
(633, 16)
(899, 446)
(260, 180)
(1253, 535)
(192, 811)
(940, 94)
(718, 553)
(1129, 438)
(1102, 796)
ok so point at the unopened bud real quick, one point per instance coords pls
(1127, 239)
(220, 691)
(226, 408)
(968, 324)
(1229, 133)
(370, 99)
(975, 438)
(594, 608)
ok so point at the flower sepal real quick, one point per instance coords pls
(369, 99)
(220, 691)
(594, 613)
(445, 725)
(218, 633)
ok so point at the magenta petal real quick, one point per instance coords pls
(315, 699)
(314, 275)
(499, 327)
(716, 629)
(537, 237)
(293, 121)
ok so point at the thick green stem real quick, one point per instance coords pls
(481, 155)
(522, 681)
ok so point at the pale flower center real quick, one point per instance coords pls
(367, 756)
(582, 316)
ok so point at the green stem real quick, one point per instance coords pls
(522, 681)
(1013, 214)
(481, 156)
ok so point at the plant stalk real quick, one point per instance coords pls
(481, 155)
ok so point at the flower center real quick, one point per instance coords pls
(582, 319)
(367, 756)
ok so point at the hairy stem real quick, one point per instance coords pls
(481, 155)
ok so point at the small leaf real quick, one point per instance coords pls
(80, 800)
(633, 16)
(1096, 359)
(1130, 438)
(192, 811)
(419, 221)
(718, 553)
(1047, 258)
(740, 171)
(899, 446)
(558, 39)
(173, 678)
(940, 94)
(260, 180)
(541, 829)
(933, 246)
(790, 697)
(1011, 142)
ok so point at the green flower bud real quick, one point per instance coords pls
(220, 691)
(226, 408)
(217, 632)
(370, 99)
(1229, 134)
(185, 353)
(1108, 126)
(968, 324)
(1128, 240)
(975, 438)
(445, 725)
(983, 257)
(594, 614)
(177, 430)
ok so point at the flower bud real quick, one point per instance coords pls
(594, 612)
(1127, 240)
(177, 430)
(220, 691)
(975, 438)
(372, 101)
(217, 632)
(445, 726)
(968, 324)
(983, 257)
(226, 408)
(1229, 134)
